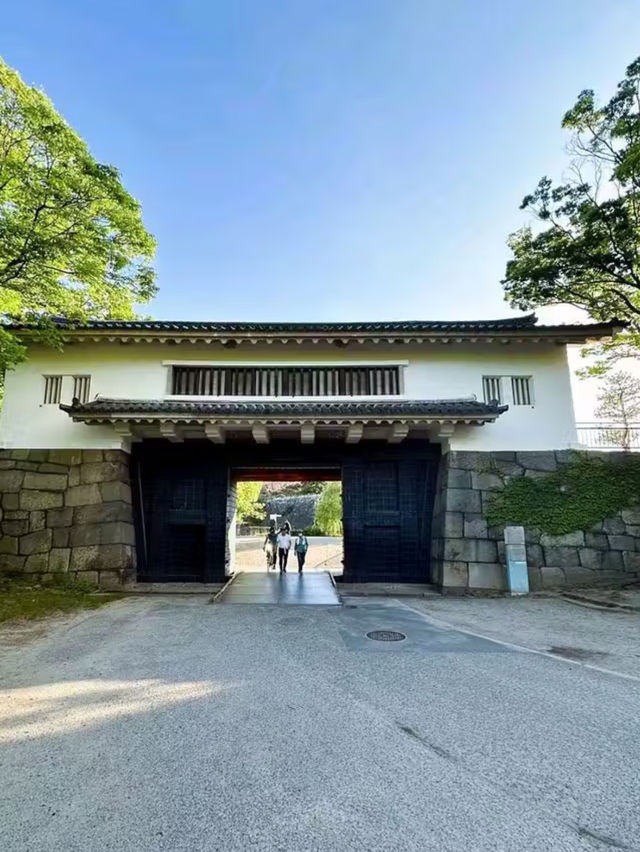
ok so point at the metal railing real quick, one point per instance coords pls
(609, 436)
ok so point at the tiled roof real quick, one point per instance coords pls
(448, 408)
(509, 323)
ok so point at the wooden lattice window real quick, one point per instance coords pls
(52, 390)
(81, 388)
(286, 381)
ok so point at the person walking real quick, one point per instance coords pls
(300, 547)
(284, 546)
(270, 547)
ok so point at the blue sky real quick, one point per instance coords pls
(327, 159)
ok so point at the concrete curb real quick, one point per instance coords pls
(214, 598)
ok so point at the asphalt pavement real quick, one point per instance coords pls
(162, 723)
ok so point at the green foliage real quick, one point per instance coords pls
(21, 598)
(328, 517)
(292, 489)
(248, 507)
(580, 494)
(72, 241)
(619, 401)
(587, 251)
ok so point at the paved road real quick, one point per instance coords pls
(170, 724)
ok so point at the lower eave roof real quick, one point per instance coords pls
(103, 409)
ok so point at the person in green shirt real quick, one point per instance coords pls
(301, 546)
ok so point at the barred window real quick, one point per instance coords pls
(52, 390)
(286, 381)
(81, 387)
(521, 390)
(515, 390)
(492, 388)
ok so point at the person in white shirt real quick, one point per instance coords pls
(284, 546)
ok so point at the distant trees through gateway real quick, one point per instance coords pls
(312, 506)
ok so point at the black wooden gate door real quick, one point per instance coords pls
(387, 506)
(184, 520)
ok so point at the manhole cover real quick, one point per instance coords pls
(386, 635)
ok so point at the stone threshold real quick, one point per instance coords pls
(171, 588)
(391, 590)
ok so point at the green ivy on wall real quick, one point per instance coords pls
(581, 493)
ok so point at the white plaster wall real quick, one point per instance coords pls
(433, 372)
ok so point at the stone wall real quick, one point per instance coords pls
(67, 512)
(469, 554)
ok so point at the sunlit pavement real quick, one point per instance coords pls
(170, 724)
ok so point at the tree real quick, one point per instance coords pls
(329, 509)
(248, 507)
(587, 251)
(619, 402)
(72, 241)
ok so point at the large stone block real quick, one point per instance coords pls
(74, 476)
(11, 480)
(61, 536)
(614, 526)
(10, 502)
(535, 556)
(486, 481)
(542, 461)
(508, 469)
(455, 575)
(103, 513)
(45, 481)
(83, 495)
(68, 457)
(103, 472)
(60, 517)
(591, 558)
(468, 460)
(37, 563)
(631, 561)
(117, 533)
(110, 580)
(59, 559)
(631, 516)
(37, 520)
(36, 542)
(475, 526)
(597, 541)
(612, 561)
(92, 455)
(6, 464)
(486, 551)
(486, 575)
(463, 500)
(452, 525)
(27, 466)
(458, 478)
(561, 557)
(33, 500)
(552, 577)
(116, 556)
(90, 577)
(622, 542)
(9, 544)
(114, 491)
(460, 549)
(15, 527)
(85, 535)
(12, 564)
(18, 515)
(85, 558)
(47, 467)
(572, 539)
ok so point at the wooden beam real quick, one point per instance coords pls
(168, 430)
(307, 433)
(354, 433)
(214, 433)
(444, 430)
(398, 433)
(123, 430)
(260, 433)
